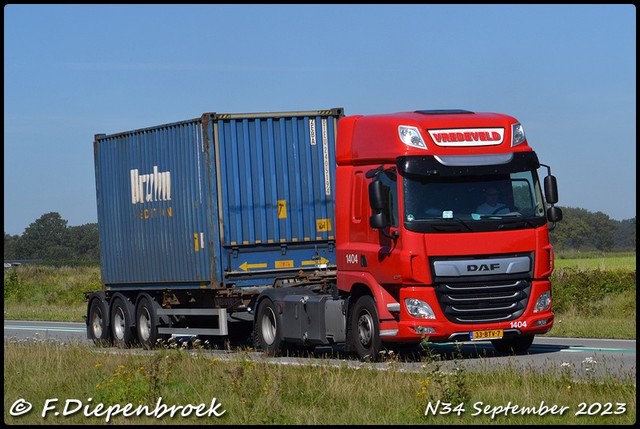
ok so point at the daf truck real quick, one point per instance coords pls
(314, 228)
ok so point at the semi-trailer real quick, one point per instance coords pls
(313, 228)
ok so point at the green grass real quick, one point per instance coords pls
(601, 261)
(34, 292)
(258, 392)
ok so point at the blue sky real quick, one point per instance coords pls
(567, 72)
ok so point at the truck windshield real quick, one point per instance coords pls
(470, 202)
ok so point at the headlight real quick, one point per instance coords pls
(411, 136)
(419, 309)
(543, 302)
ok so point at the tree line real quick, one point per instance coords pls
(50, 239)
(582, 230)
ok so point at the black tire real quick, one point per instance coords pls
(267, 329)
(98, 326)
(121, 319)
(147, 323)
(516, 345)
(364, 329)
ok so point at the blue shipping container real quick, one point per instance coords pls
(217, 201)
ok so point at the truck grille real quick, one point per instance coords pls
(478, 302)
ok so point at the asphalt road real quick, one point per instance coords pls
(585, 357)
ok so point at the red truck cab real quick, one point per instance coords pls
(417, 257)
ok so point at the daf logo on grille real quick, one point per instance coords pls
(483, 267)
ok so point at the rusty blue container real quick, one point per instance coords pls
(218, 201)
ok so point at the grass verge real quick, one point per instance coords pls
(91, 384)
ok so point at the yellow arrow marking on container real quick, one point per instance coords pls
(316, 262)
(247, 266)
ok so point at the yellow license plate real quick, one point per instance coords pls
(489, 334)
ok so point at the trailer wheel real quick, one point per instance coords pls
(98, 328)
(517, 345)
(267, 328)
(146, 326)
(364, 329)
(121, 323)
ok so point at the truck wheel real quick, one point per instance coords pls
(517, 345)
(364, 329)
(120, 324)
(146, 326)
(267, 328)
(98, 328)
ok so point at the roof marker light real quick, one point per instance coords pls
(517, 134)
(411, 136)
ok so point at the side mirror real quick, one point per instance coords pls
(551, 189)
(377, 195)
(378, 221)
(554, 214)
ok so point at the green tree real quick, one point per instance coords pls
(571, 233)
(10, 245)
(85, 241)
(46, 238)
(603, 231)
(625, 236)
(584, 230)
